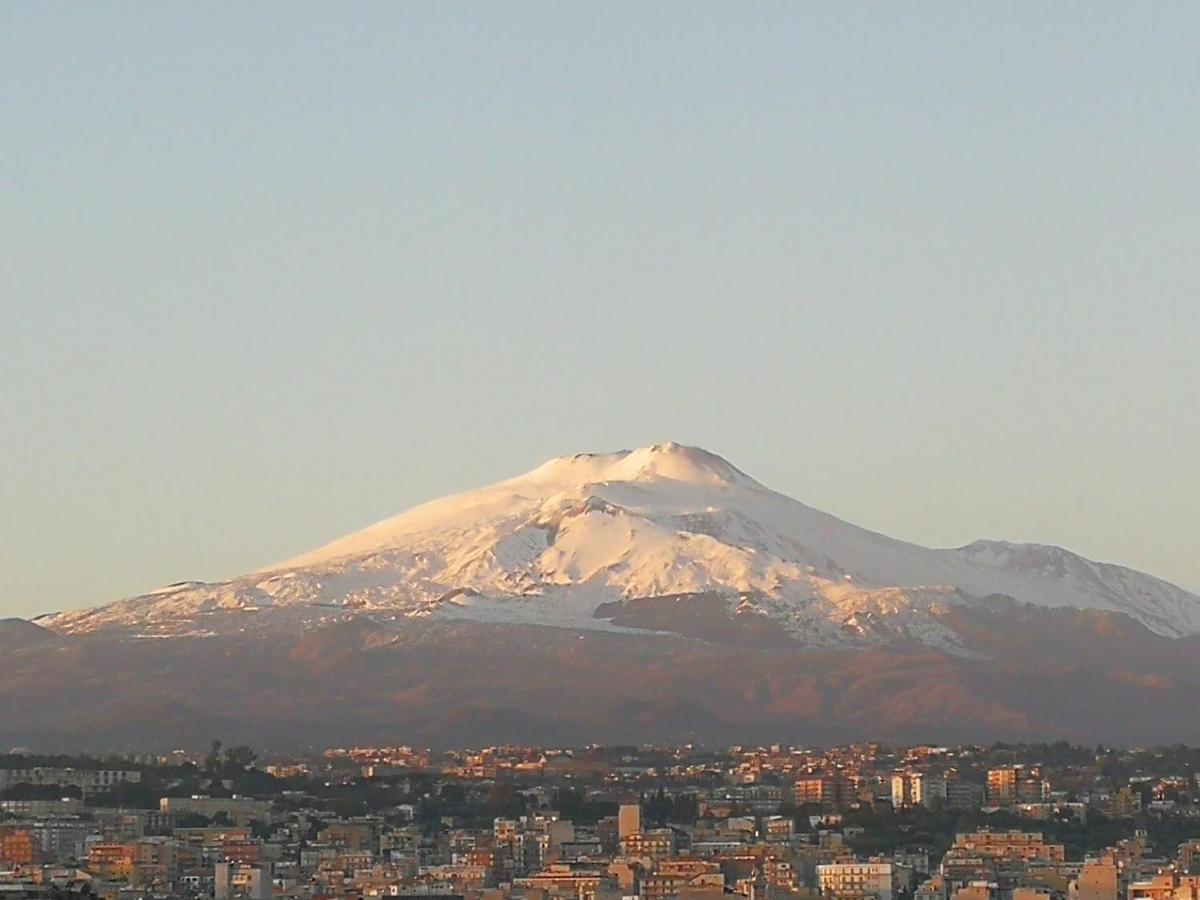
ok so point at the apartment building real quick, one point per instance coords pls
(856, 881)
(1027, 846)
(917, 789)
(87, 780)
(1008, 785)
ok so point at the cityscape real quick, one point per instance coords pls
(599, 450)
(858, 822)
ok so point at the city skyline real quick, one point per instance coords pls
(865, 821)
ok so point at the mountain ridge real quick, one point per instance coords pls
(579, 532)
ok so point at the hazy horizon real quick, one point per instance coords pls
(274, 273)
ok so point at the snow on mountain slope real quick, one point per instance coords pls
(552, 546)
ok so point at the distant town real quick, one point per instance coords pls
(859, 822)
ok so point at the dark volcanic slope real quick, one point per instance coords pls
(1083, 676)
(17, 633)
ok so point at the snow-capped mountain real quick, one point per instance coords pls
(658, 594)
(612, 541)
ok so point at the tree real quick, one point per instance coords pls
(212, 762)
(658, 808)
(685, 809)
(25, 791)
(239, 758)
(315, 827)
(260, 829)
(504, 801)
(140, 794)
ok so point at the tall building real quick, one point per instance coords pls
(901, 791)
(629, 820)
(560, 833)
(917, 789)
(963, 794)
(1188, 858)
(825, 790)
(656, 843)
(1097, 881)
(1002, 786)
(250, 882)
(1009, 785)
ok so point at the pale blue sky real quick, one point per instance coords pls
(270, 272)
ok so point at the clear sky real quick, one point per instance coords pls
(270, 272)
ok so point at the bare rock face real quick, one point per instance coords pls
(651, 594)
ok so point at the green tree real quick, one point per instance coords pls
(212, 762)
(504, 801)
(260, 829)
(239, 758)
